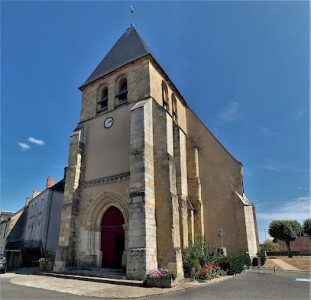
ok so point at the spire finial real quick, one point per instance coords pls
(132, 12)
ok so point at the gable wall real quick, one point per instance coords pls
(220, 175)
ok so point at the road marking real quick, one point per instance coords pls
(303, 279)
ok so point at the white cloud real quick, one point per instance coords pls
(267, 132)
(35, 141)
(230, 113)
(275, 166)
(298, 115)
(298, 204)
(23, 146)
(297, 209)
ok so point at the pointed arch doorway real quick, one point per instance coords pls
(112, 238)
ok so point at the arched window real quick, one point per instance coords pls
(122, 92)
(174, 107)
(164, 96)
(103, 102)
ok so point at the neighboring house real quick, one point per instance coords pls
(15, 240)
(145, 175)
(43, 220)
(5, 218)
(36, 231)
(303, 245)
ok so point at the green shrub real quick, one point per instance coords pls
(234, 264)
(268, 245)
(262, 256)
(198, 253)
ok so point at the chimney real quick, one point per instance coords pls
(50, 182)
(27, 200)
(35, 193)
(65, 172)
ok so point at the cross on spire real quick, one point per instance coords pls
(132, 13)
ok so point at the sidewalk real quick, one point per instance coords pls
(99, 289)
(283, 265)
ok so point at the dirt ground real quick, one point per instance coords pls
(303, 264)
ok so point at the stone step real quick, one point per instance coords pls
(93, 278)
(102, 273)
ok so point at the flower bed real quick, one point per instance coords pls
(160, 278)
(46, 264)
(207, 271)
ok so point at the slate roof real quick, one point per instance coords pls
(17, 232)
(128, 48)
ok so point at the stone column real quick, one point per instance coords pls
(66, 251)
(181, 181)
(194, 189)
(124, 255)
(167, 208)
(142, 243)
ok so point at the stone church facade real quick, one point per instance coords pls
(145, 175)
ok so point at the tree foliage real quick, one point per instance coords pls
(306, 227)
(285, 230)
(268, 245)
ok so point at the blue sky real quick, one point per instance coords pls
(243, 67)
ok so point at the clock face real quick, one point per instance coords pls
(108, 122)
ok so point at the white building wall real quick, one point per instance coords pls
(37, 217)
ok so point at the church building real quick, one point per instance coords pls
(145, 176)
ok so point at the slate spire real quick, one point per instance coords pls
(128, 48)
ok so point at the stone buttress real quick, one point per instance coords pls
(167, 208)
(66, 251)
(142, 236)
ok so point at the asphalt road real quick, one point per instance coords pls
(250, 285)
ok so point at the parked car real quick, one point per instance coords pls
(3, 263)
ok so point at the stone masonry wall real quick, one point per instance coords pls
(137, 75)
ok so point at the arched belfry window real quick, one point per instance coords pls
(164, 95)
(122, 92)
(174, 107)
(103, 102)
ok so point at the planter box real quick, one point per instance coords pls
(42, 266)
(49, 266)
(165, 282)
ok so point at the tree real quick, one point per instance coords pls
(285, 230)
(306, 227)
(268, 245)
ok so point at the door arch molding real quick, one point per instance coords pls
(102, 203)
(94, 218)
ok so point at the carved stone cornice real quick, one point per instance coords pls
(105, 180)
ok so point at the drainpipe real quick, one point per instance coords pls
(48, 225)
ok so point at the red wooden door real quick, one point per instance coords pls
(112, 238)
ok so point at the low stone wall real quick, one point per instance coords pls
(283, 253)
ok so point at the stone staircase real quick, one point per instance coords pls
(104, 275)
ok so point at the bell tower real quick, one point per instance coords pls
(112, 149)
